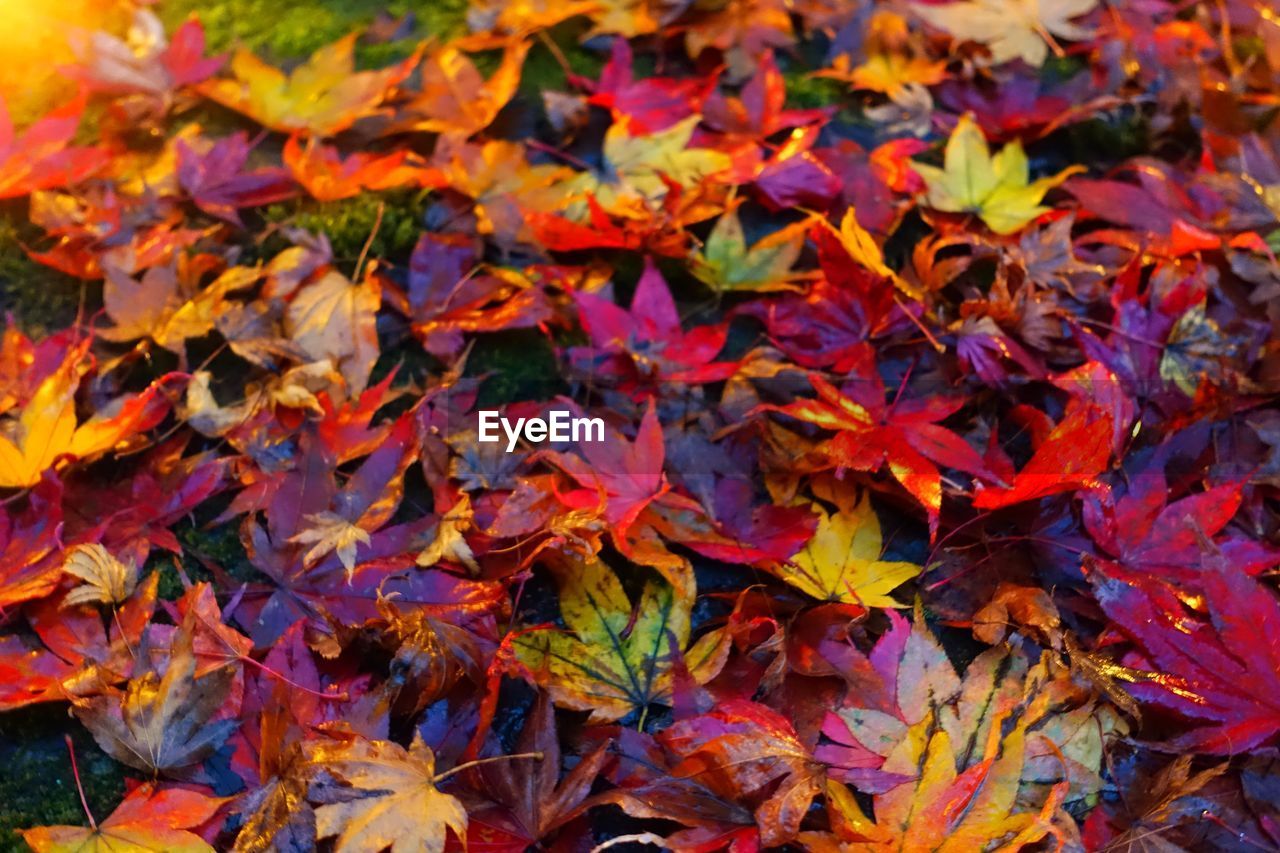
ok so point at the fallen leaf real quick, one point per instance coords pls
(842, 562)
(1012, 29)
(323, 96)
(386, 798)
(147, 819)
(106, 579)
(164, 723)
(619, 657)
(998, 189)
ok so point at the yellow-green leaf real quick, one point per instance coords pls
(610, 662)
(727, 264)
(997, 188)
(638, 166)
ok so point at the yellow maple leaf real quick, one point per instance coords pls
(842, 561)
(454, 98)
(46, 429)
(497, 175)
(1012, 29)
(392, 803)
(636, 165)
(323, 96)
(894, 59)
(997, 188)
(148, 820)
(626, 18)
(335, 319)
(520, 16)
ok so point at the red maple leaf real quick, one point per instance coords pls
(1220, 670)
(42, 157)
(647, 344)
(904, 435)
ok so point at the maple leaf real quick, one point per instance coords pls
(509, 17)
(1143, 530)
(864, 250)
(449, 543)
(631, 18)
(998, 189)
(167, 304)
(145, 61)
(760, 109)
(842, 561)
(537, 799)
(446, 296)
(212, 173)
(1012, 29)
(328, 532)
(1197, 351)
(907, 687)
(454, 98)
(743, 748)
(153, 819)
(334, 318)
(744, 31)
(1072, 454)
(42, 157)
(106, 579)
(46, 429)
(905, 436)
(651, 103)
(726, 264)
(323, 96)
(619, 658)
(892, 60)
(642, 167)
(505, 187)
(81, 655)
(326, 176)
(164, 723)
(1211, 671)
(942, 809)
(648, 342)
(387, 798)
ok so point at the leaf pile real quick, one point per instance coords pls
(932, 349)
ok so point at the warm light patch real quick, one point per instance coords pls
(33, 43)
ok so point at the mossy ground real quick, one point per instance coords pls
(37, 787)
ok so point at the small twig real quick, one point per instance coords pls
(467, 765)
(641, 838)
(75, 771)
(539, 145)
(550, 44)
(368, 244)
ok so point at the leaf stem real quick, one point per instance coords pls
(368, 244)
(75, 771)
(466, 765)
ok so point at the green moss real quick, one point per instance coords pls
(521, 366)
(37, 787)
(293, 29)
(39, 298)
(219, 545)
(349, 222)
(807, 93)
(542, 70)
